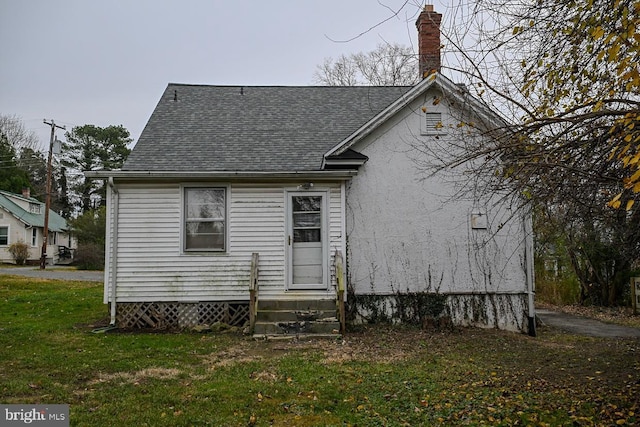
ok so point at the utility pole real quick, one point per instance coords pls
(45, 231)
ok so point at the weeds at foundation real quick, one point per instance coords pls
(425, 309)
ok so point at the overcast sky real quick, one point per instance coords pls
(107, 62)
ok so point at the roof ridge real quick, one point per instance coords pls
(20, 196)
(284, 86)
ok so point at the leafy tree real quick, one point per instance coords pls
(89, 228)
(61, 202)
(567, 72)
(14, 137)
(91, 147)
(12, 178)
(34, 164)
(387, 65)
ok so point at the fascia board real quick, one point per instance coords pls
(234, 175)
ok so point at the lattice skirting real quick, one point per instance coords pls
(170, 315)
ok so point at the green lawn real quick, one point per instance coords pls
(378, 376)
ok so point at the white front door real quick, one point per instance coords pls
(306, 240)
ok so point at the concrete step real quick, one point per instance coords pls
(299, 337)
(294, 315)
(296, 318)
(329, 327)
(297, 305)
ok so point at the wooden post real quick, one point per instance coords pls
(45, 230)
(253, 290)
(635, 294)
(340, 282)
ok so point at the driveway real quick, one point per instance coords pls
(584, 326)
(55, 272)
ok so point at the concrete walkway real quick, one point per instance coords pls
(585, 326)
(55, 272)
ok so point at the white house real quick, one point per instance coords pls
(305, 177)
(22, 220)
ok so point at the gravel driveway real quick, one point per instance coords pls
(585, 326)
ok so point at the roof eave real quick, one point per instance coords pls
(20, 219)
(222, 175)
(356, 164)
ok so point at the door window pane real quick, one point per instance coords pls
(308, 235)
(307, 203)
(307, 218)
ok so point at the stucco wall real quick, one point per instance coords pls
(407, 231)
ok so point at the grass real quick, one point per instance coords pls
(377, 376)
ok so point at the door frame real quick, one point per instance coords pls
(288, 238)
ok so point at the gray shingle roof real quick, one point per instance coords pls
(253, 128)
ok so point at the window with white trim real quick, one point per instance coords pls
(4, 236)
(34, 236)
(205, 222)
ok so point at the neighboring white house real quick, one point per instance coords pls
(22, 219)
(302, 176)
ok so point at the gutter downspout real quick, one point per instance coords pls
(343, 231)
(114, 250)
(529, 270)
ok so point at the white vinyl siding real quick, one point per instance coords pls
(151, 265)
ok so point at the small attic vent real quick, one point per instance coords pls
(432, 123)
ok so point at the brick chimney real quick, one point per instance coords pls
(428, 25)
(26, 192)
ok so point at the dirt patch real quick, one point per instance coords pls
(242, 352)
(385, 345)
(265, 376)
(137, 377)
(515, 362)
